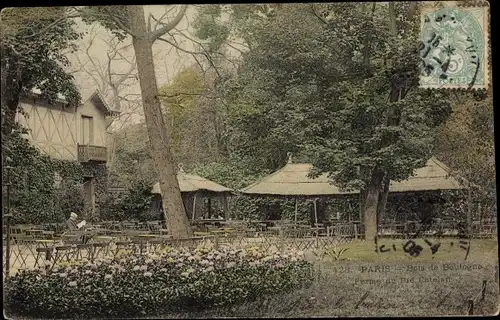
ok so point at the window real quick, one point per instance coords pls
(87, 130)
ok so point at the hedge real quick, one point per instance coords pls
(155, 284)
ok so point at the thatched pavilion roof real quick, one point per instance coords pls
(194, 183)
(434, 176)
(293, 180)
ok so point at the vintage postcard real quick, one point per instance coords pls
(248, 161)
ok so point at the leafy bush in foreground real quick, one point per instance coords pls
(155, 284)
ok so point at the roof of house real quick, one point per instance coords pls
(194, 183)
(293, 180)
(60, 97)
(101, 103)
(95, 97)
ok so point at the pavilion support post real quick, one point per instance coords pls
(349, 213)
(315, 203)
(209, 208)
(296, 209)
(226, 207)
(194, 207)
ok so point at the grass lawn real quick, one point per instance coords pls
(389, 284)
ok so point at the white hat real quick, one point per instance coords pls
(73, 215)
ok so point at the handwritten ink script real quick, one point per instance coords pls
(370, 300)
(423, 280)
(453, 47)
(411, 248)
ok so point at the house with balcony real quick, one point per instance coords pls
(65, 132)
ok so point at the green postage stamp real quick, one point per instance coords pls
(454, 47)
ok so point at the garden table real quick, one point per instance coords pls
(214, 222)
(148, 235)
(114, 232)
(217, 232)
(45, 242)
(105, 238)
(34, 232)
(100, 243)
(47, 246)
(48, 234)
(201, 234)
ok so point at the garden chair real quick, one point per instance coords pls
(99, 232)
(158, 243)
(122, 245)
(21, 228)
(22, 249)
(99, 248)
(129, 234)
(138, 244)
(47, 234)
(43, 254)
(15, 230)
(84, 250)
(152, 226)
(37, 233)
(63, 253)
(129, 226)
(71, 237)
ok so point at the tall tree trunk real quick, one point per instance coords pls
(382, 200)
(173, 207)
(362, 200)
(371, 204)
(376, 199)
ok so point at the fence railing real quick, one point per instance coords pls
(28, 243)
(30, 252)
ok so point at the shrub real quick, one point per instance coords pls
(134, 204)
(155, 284)
(70, 198)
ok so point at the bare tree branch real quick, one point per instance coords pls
(169, 26)
(179, 48)
(159, 20)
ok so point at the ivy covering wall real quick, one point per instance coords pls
(46, 190)
(35, 197)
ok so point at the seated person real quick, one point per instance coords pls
(72, 225)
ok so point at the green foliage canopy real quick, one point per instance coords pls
(317, 81)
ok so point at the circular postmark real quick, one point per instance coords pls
(452, 48)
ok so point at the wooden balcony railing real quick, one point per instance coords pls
(88, 153)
